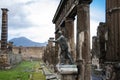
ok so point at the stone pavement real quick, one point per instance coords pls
(50, 75)
(96, 78)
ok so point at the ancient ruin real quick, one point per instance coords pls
(7, 58)
(108, 35)
(49, 53)
(4, 32)
(64, 21)
(104, 55)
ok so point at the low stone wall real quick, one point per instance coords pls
(9, 60)
(17, 54)
(15, 58)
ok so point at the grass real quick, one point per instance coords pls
(21, 71)
(37, 74)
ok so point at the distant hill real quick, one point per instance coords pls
(23, 41)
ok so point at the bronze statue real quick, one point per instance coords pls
(65, 56)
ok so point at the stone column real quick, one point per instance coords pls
(112, 58)
(51, 51)
(4, 31)
(83, 42)
(56, 47)
(113, 24)
(4, 59)
(69, 29)
(49, 41)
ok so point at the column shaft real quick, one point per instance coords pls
(69, 29)
(4, 30)
(83, 41)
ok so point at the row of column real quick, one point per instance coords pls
(81, 53)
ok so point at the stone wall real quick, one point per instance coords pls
(10, 59)
(29, 52)
(15, 58)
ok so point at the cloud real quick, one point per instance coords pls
(30, 18)
(39, 34)
(33, 18)
(17, 16)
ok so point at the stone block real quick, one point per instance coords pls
(67, 69)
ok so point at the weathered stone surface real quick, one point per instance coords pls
(4, 32)
(113, 24)
(49, 53)
(83, 39)
(102, 39)
(67, 69)
(29, 52)
(67, 72)
(108, 38)
(63, 19)
(69, 30)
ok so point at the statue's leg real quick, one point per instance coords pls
(70, 58)
(62, 59)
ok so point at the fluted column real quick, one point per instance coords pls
(4, 29)
(113, 23)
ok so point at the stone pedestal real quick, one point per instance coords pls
(67, 72)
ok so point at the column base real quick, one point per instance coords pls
(67, 72)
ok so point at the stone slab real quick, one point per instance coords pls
(67, 69)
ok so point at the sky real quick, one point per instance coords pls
(97, 15)
(33, 18)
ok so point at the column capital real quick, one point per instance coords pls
(69, 19)
(4, 9)
(85, 1)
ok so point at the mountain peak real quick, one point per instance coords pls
(23, 41)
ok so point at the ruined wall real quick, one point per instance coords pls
(102, 41)
(95, 51)
(29, 52)
(99, 44)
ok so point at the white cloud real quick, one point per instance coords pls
(38, 34)
(33, 18)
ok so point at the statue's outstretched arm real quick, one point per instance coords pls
(55, 41)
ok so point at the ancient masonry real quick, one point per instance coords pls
(3, 54)
(4, 30)
(108, 37)
(113, 24)
(113, 44)
(7, 58)
(49, 53)
(106, 45)
(64, 21)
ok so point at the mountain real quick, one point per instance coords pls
(23, 41)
